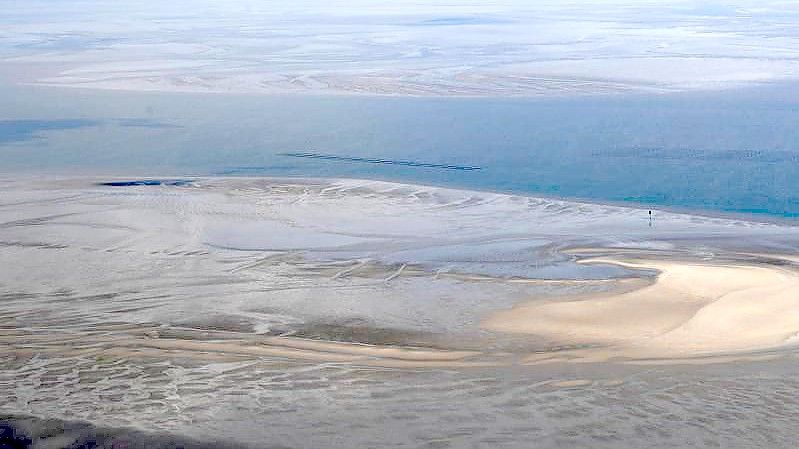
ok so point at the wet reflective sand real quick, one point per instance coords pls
(324, 313)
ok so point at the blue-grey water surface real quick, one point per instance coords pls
(734, 150)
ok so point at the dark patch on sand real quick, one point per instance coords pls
(358, 330)
(25, 432)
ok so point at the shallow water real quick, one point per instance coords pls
(732, 150)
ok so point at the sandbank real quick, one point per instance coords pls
(693, 309)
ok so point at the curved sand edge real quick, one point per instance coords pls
(301, 349)
(692, 310)
(176, 343)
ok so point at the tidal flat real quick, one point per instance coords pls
(299, 312)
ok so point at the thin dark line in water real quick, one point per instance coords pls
(332, 157)
(147, 182)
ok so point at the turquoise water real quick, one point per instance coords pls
(733, 151)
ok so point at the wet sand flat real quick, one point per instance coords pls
(341, 313)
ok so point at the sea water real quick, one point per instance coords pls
(729, 150)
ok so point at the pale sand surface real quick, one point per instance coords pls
(692, 309)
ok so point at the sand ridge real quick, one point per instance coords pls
(693, 309)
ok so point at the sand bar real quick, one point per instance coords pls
(693, 309)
